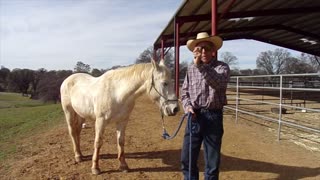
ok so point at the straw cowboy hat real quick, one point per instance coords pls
(204, 36)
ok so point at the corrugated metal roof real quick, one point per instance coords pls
(293, 24)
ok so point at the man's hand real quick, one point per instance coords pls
(190, 109)
(197, 55)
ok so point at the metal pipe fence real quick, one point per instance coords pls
(275, 90)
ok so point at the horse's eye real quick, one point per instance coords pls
(165, 84)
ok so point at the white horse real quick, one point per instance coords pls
(111, 98)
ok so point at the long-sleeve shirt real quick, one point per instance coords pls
(205, 86)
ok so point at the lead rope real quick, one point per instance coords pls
(190, 144)
(165, 134)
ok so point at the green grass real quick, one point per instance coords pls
(20, 117)
(11, 100)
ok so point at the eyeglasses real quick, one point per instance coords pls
(205, 47)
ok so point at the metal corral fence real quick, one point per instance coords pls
(291, 100)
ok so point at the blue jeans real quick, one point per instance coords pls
(210, 132)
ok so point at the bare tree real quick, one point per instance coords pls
(296, 66)
(312, 60)
(81, 67)
(183, 69)
(147, 55)
(230, 59)
(273, 62)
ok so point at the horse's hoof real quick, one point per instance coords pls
(96, 171)
(78, 159)
(124, 169)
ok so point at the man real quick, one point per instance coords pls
(203, 94)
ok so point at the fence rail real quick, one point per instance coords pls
(306, 88)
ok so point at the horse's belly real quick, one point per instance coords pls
(87, 114)
(83, 108)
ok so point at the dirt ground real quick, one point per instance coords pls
(250, 151)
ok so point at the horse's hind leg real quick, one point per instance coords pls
(74, 122)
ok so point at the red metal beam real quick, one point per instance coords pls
(243, 29)
(214, 12)
(162, 49)
(177, 56)
(272, 12)
(273, 26)
(229, 15)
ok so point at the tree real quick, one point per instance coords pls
(63, 74)
(273, 62)
(4, 74)
(20, 80)
(230, 59)
(258, 72)
(34, 84)
(183, 69)
(49, 85)
(82, 68)
(312, 60)
(296, 66)
(147, 55)
(96, 72)
(235, 72)
(246, 72)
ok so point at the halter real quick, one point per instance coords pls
(165, 134)
(154, 87)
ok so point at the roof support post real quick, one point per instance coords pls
(214, 23)
(162, 49)
(214, 14)
(177, 55)
(155, 53)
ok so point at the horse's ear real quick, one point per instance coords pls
(162, 62)
(154, 64)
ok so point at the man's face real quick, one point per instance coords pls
(207, 50)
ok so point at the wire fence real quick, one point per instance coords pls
(291, 100)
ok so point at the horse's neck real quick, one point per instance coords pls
(143, 81)
(137, 82)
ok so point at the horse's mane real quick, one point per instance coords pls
(132, 71)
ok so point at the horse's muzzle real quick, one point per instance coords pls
(172, 111)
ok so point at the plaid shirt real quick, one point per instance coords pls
(205, 86)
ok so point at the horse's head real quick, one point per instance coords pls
(161, 90)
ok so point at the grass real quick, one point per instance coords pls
(14, 100)
(20, 117)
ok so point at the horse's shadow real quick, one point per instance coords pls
(228, 163)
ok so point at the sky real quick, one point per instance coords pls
(56, 34)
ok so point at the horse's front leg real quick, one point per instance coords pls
(99, 127)
(123, 166)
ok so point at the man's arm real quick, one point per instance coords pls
(216, 79)
(185, 96)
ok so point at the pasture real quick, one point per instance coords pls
(249, 151)
(20, 116)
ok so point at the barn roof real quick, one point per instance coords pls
(293, 24)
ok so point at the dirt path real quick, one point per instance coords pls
(249, 150)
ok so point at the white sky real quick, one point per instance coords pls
(56, 34)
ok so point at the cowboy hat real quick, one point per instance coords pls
(204, 36)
